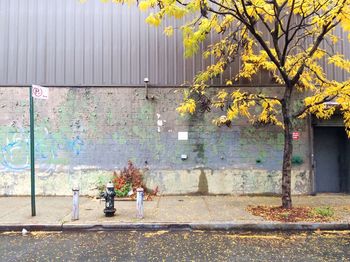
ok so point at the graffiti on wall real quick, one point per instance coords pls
(134, 129)
(51, 150)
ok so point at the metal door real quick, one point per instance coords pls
(327, 149)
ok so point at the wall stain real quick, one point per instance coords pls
(203, 188)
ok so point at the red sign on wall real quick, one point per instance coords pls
(296, 135)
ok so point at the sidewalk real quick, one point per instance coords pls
(164, 212)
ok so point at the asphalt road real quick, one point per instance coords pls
(175, 246)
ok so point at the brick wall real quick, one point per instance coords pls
(82, 134)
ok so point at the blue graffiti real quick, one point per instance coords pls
(14, 155)
(49, 150)
(75, 145)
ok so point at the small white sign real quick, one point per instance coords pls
(40, 92)
(182, 135)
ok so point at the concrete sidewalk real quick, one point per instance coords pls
(164, 212)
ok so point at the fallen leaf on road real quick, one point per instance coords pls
(157, 233)
(10, 233)
(255, 236)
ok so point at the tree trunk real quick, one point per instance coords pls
(287, 157)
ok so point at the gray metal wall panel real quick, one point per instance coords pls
(79, 46)
(64, 42)
(116, 46)
(41, 43)
(143, 48)
(170, 57)
(13, 42)
(107, 44)
(32, 47)
(98, 43)
(51, 41)
(88, 45)
(125, 45)
(69, 43)
(161, 58)
(4, 32)
(135, 74)
(22, 41)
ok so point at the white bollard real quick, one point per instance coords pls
(139, 202)
(75, 211)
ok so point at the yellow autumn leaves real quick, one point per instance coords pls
(337, 96)
(277, 37)
(188, 106)
(240, 104)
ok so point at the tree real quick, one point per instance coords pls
(282, 37)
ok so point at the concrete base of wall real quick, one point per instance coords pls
(169, 182)
(226, 181)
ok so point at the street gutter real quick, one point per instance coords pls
(220, 226)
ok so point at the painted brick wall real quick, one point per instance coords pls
(86, 133)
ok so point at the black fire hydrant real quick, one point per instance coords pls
(109, 195)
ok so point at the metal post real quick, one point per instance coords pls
(32, 152)
(75, 211)
(139, 202)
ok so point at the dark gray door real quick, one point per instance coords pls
(327, 149)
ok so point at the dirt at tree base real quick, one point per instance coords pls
(295, 214)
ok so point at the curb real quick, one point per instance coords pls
(178, 226)
(31, 227)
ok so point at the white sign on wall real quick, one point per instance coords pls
(182, 135)
(40, 92)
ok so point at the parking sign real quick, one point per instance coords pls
(40, 92)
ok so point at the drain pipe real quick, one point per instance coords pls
(146, 80)
(312, 163)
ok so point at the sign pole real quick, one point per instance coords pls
(32, 152)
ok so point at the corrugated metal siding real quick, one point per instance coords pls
(64, 42)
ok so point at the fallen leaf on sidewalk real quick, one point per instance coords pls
(295, 214)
